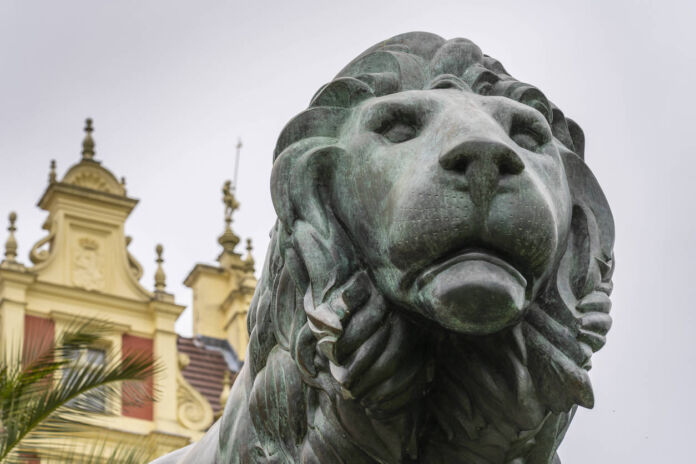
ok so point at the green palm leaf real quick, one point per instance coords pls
(42, 400)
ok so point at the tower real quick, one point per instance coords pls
(82, 270)
(222, 293)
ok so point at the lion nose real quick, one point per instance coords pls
(497, 154)
(484, 162)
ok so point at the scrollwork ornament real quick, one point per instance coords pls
(193, 411)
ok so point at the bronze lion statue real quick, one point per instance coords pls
(438, 277)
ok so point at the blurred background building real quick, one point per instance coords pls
(82, 270)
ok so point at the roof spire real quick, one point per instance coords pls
(88, 142)
(228, 239)
(52, 172)
(249, 260)
(11, 243)
(160, 277)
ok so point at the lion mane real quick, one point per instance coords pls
(512, 394)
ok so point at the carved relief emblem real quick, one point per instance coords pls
(91, 180)
(88, 265)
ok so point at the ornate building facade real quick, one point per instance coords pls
(82, 270)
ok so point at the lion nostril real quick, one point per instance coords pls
(509, 164)
(484, 151)
(455, 161)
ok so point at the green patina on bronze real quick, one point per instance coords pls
(438, 277)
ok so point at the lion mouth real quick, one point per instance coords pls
(471, 255)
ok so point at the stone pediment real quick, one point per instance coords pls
(91, 175)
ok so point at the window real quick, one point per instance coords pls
(93, 401)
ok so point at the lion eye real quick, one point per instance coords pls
(526, 140)
(529, 136)
(398, 132)
(397, 123)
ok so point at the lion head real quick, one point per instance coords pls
(439, 273)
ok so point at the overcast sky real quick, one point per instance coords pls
(171, 85)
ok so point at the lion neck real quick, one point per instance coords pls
(482, 405)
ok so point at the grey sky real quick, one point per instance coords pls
(172, 84)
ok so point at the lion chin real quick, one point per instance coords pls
(438, 277)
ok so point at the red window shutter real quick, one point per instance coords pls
(132, 405)
(38, 337)
(31, 458)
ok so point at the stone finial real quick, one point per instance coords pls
(249, 260)
(52, 172)
(11, 243)
(88, 142)
(228, 239)
(160, 277)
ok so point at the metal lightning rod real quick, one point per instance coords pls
(236, 164)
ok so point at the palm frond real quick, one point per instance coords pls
(42, 400)
(98, 452)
